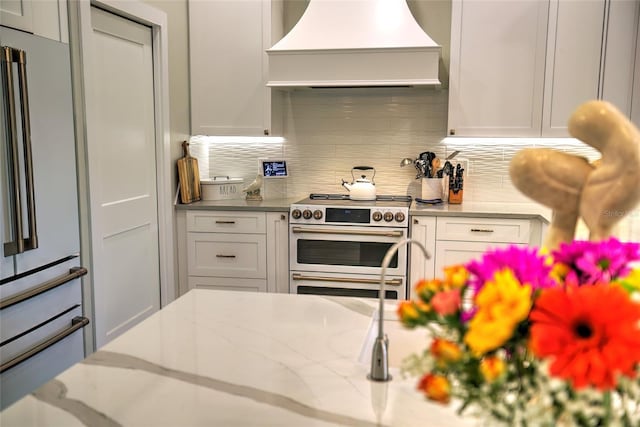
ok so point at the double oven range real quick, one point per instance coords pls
(337, 245)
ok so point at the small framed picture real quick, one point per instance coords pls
(273, 168)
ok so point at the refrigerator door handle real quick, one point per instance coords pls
(77, 322)
(16, 245)
(31, 242)
(19, 243)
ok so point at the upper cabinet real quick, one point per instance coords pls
(45, 18)
(229, 66)
(519, 69)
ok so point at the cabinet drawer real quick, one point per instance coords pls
(484, 230)
(227, 255)
(42, 354)
(451, 253)
(228, 284)
(23, 316)
(226, 222)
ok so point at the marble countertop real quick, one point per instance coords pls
(267, 205)
(469, 209)
(483, 209)
(229, 358)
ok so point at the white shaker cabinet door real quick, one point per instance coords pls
(497, 67)
(17, 14)
(573, 61)
(423, 230)
(278, 252)
(228, 66)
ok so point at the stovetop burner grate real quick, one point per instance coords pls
(380, 197)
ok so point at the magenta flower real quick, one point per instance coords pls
(593, 262)
(527, 265)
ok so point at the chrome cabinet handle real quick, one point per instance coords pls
(392, 282)
(392, 233)
(225, 256)
(481, 230)
(77, 322)
(46, 286)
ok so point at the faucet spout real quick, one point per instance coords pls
(380, 352)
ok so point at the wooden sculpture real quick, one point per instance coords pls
(601, 193)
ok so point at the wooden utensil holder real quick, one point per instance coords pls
(455, 197)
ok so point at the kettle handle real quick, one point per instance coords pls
(364, 168)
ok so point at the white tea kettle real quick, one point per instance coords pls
(361, 188)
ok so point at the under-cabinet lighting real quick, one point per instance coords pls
(453, 141)
(203, 139)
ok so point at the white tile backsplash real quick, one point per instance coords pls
(328, 131)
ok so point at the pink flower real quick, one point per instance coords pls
(446, 302)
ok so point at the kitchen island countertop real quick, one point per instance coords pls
(235, 359)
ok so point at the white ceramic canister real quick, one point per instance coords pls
(221, 188)
(432, 188)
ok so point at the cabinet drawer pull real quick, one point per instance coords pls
(481, 230)
(77, 322)
(225, 222)
(225, 256)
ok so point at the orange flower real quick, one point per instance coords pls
(591, 333)
(445, 351)
(407, 311)
(425, 286)
(456, 275)
(435, 387)
(446, 302)
(492, 368)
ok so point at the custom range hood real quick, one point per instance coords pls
(354, 43)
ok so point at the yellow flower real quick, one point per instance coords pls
(456, 276)
(559, 272)
(492, 368)
(631, 282)
(502, 303)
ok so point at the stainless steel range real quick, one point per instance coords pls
(337, 245)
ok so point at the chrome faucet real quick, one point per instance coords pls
(380, 352)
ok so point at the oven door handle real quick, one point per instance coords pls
(387, 233)
(392, 282)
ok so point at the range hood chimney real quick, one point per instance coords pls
(354, 43)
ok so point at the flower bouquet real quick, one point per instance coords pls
(520, 337)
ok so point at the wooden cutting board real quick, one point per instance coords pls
(189, 176)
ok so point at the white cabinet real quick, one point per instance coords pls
(45, 18)
(497, 67)
(459, 240)
(519, 69)
(423, 229)
(236, 250)
(228, 66)
(456, 240)
(278, 252)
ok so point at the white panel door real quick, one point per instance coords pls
(122, 174)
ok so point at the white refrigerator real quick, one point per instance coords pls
(41, 315)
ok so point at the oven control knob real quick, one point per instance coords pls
(388, 216)
(377, 216)
(306, 214)
(399, 216)
(317, 214)
(296, 214)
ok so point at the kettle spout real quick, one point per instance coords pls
(346, 185)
